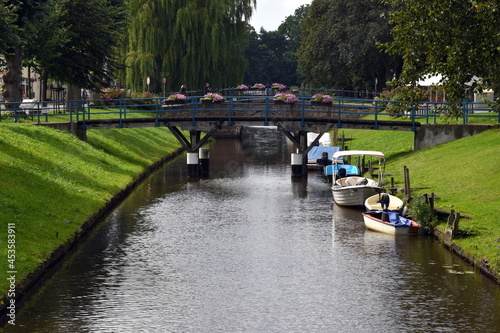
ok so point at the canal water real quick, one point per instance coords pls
(252, 249)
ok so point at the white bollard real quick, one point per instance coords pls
(193, 164)
(296, 164)
(204, 155)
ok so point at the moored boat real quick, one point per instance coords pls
(390, 222)
(354, 190)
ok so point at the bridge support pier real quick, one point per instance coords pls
(204, 157)
(193, 165)
(299, 158)
(197, 158)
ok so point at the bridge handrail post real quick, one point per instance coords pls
(413, 116)
(376, 114)
(38, 112)
(88, 111)
(466, 112)
(120, 113)
(339, 123)
(231, 111)
(194, 110)
(157, 121)
(71, 110)
(266, 112)
(303, 112)
(124, 107)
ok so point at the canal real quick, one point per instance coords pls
(251, 249)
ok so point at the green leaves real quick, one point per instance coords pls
(339, 46)
(189, 42)
(456, 38)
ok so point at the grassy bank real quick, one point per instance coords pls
(51, 182)
(464, 174)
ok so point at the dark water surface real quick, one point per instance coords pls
(251, 249)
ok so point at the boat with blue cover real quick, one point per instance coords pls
(389, 221)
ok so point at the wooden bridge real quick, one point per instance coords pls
(206, 118)
(247, 108)
(197, 117)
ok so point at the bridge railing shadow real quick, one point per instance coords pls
(240, 104)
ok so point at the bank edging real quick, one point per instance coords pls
(480, 263)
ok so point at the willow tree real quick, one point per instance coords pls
(187, 42)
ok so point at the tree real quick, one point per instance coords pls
(7, 27)
(85, 55)
(188, 42)
(22, 21)
(456, 38)
(339, 47)
(72, 41)
(272, 54)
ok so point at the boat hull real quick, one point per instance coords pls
(374, 223)
(354, 195)
(353, 191)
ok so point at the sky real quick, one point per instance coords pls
(271, 13)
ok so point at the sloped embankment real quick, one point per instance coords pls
(54, 186)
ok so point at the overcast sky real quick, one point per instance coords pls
(271, 13)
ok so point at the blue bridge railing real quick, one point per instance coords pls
(243, 104)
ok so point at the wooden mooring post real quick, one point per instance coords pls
(406, 173)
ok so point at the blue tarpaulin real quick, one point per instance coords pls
(316, 152)
(397, 220)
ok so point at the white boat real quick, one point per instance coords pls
(391, 202)
(395, 224)
(354, 190)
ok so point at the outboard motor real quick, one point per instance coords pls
(342, 172)
(324, 159)
(384, 202)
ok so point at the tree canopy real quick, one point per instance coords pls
(272, 55)
(339, 45)
(187, 42)
(458, 39)
(85, 54)
(71, 41)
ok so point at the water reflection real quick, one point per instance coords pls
(251, 249)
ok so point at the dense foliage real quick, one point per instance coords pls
(187, 42)
(71, 41)
(456, 38)
(339, 47)
(272, 55)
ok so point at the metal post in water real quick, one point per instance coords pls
(297, 165)
(193, 164)
(204, 156)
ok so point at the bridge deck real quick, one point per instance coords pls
(204, 123)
